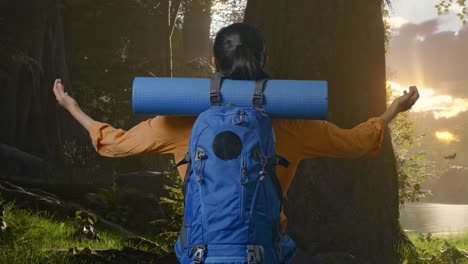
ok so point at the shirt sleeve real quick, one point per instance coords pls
(161, 134)
(325, 139)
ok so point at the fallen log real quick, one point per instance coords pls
(42, 201)
(17, 163)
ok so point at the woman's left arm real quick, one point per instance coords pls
(401, 104)
(325, 139)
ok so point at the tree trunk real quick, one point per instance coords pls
(33, 121)
(151, 35)
(347, 206)
(196, 29)
(196, 38)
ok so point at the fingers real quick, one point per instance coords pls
(59, 87)
(415, 96)
(412, 90)
(55, 88)
(58, 90)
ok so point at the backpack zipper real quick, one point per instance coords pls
(199, 181)
(243, 179)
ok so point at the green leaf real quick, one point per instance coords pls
(93, 217)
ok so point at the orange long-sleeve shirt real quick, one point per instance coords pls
(295, 139)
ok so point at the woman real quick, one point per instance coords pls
(240, 53)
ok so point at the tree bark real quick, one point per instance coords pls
(196, 38)
(345, 205)
(33, 121)
(151, 38)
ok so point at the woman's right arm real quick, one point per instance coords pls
(155, 135)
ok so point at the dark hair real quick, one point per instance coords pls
(239, 50)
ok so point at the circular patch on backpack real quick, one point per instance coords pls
(227, 145)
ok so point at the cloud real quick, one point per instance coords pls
(397, 22)
(455, 8)
(420, 55)
(439, 104)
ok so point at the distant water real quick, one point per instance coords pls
(440, 219)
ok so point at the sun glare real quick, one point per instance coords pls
(446, 136)
(440, 105)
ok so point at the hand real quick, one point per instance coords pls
(71, 105)
(401, 104)
(406, 101)
(63, 98)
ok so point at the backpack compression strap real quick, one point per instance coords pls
(257, 99)
(187, 160)
(215, 95)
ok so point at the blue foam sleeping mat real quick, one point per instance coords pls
(291, 99)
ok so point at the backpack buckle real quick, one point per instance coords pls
(186, 160)
(215, 86)
(254, 254)
(199, 253)
(200, 154)
(282, 161)
(239, 118)
(215, 98)
(257, 100)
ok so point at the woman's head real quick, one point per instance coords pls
(240, 52)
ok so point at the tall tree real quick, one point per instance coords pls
(41, 41)
(348, 206)
(33, 45)
(196, 41)
(152, 36)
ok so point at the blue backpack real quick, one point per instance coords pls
(232, 194)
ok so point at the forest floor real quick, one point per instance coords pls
(39, 238)
(435, 249)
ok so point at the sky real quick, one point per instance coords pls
(431, 52)
(426, 50)
(418, 11)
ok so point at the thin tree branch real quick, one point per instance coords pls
(173, 18)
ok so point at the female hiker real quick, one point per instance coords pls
(240, 53)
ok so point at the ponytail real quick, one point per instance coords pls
(245, 65)
(239, 50)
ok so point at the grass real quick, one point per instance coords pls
(36, 238)
(437, 249)
(421, 240)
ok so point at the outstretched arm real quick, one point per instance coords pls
(401, 104)
(70, 104)
(325, 139)
(156, 135)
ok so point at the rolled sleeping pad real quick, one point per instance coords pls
(290, 99)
